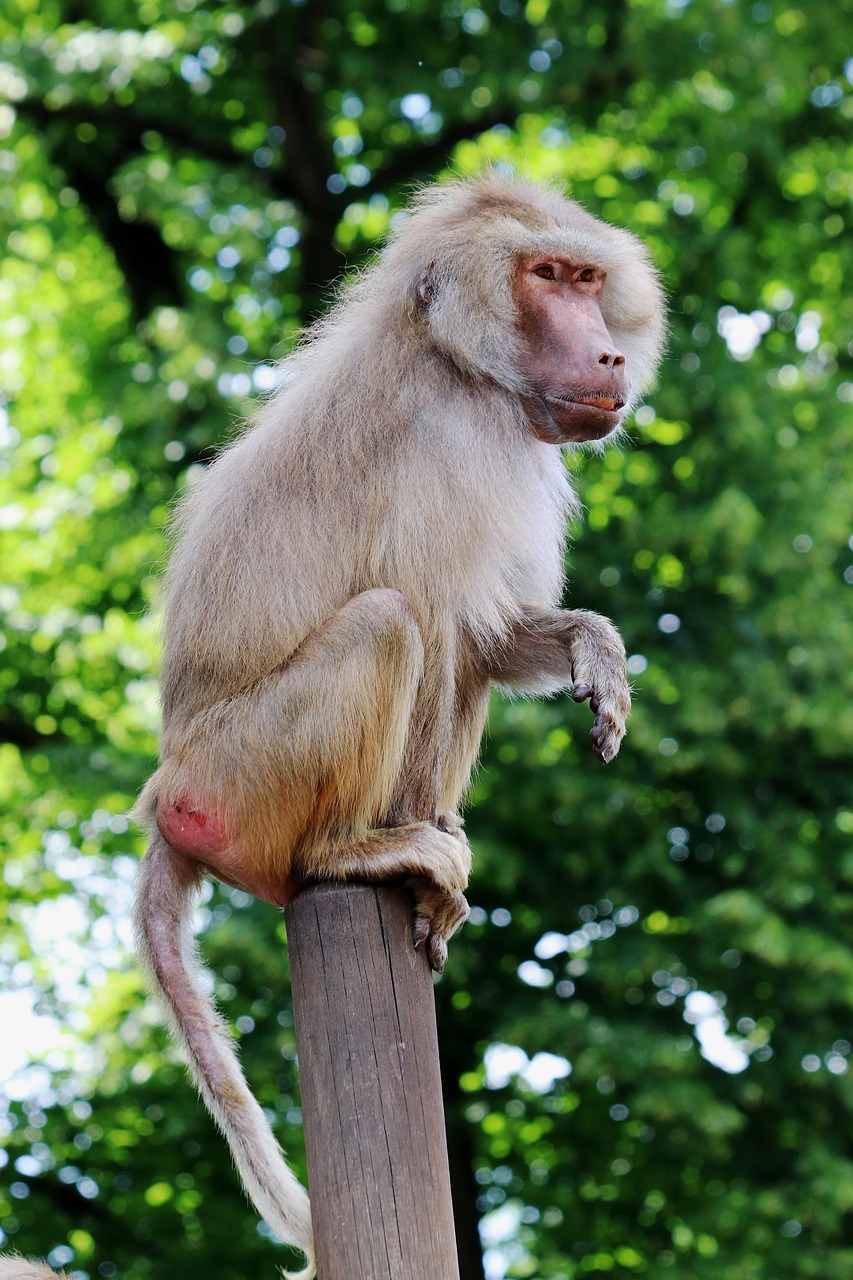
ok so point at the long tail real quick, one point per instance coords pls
(165, 890)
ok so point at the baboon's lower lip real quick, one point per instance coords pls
(610, 404)
(601, 402)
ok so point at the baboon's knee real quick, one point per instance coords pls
(386, 616)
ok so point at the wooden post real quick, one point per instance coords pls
(371, 1089)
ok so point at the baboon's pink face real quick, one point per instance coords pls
(573, 365)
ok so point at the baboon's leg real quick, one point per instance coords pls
(292, 779)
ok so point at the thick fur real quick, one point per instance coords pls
(14, 1267)
(384, 541)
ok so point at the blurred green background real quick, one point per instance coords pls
(646, 1026)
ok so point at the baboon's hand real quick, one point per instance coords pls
(437, 917)
(444, 859)
(609, 695)
(611, 705)
(440, 905)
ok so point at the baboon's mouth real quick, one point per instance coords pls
(611, 404)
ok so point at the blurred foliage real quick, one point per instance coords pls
(646, 1026)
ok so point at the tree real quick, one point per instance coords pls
(644, 1026)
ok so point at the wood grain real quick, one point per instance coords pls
(371, 1088)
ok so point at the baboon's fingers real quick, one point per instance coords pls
(437, 952)
(437, 917)
(607, 733)
(452, 823)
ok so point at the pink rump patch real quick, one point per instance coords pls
(194, 832)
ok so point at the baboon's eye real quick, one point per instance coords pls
(545, 271)
(586, 276)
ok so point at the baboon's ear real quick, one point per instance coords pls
(426, 284)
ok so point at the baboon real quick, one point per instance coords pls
(382, 544)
